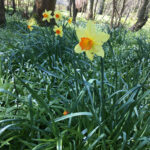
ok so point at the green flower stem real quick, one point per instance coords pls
(0, 67)
(102, 87)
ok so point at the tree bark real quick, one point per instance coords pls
(7, 5)
(117, 13)
(41, 6)
(75, 11)
(70, 4)
(2, 13)
(95, 8)
(90, 9)
(113, 14)
(142, 16)
(14, 7)
(69, 7)
(101, 8)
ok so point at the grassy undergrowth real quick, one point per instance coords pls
(41, 76)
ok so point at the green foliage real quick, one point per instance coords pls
(43, 77)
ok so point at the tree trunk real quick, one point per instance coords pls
(101, 8)
(90, 9)
(117, 13)
(69, 7)
(41, 6)
(95, 8)
(19, 4)
(75, 11)
(14, 7)
(7, 5)
(113, 14)
(142, 16)
(70, 4)
(2, 13)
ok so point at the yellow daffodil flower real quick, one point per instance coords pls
(30, 27)
(30, 23)
(70, 20)
(58, 31)
(90, 41)
(47, 16)
(57, 15)
(65, 113)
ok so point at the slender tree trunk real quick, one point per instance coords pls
(19, 4)
(7, 5)
(117, 13)
(90, 9)
(113, 13)
(95, 8)
(14, 7)
(2, 13)
(70, 5)
(142, 16)
(75, 11)
(101, 8)
(41, 6)
(121, 13)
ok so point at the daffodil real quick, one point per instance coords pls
(65, 113)
(30, 23)
(90, 41)
(57, 15)
(70, 20)
(58, 31)
(47, 16)
(30, 27)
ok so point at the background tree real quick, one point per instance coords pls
(78, 6)
(14, 7)
(42, 5)
(90, 9)
(7, 4)
(2, 13)
(70, 3)
(117, 12)
(101, 7)
(142, 16)
(95, 7)
(75, 11)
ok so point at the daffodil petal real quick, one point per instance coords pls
(61, 34)
(55, 27)
(90, 55)
(90, 29)
(60, 27)
(102, 37)
(99, 51)
(77, 49)
(80, 33)
(91, 26)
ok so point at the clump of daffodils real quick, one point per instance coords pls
(58, 31)
(47, 16)
(90, 41)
